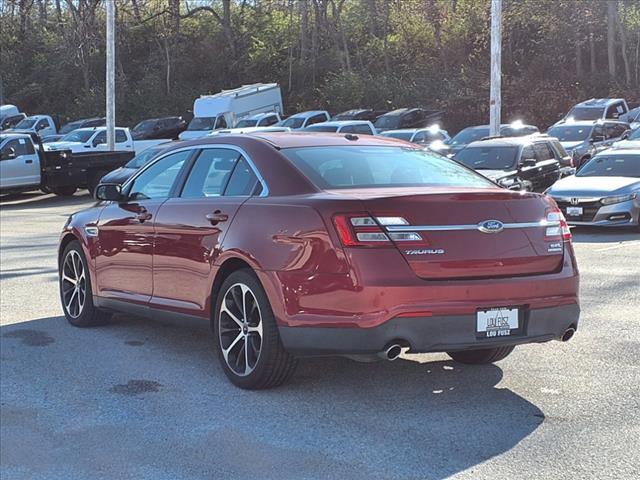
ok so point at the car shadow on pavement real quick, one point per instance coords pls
(147, 399)
(26, 201)
(603, 235)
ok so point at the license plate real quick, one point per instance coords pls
(574, 211)
(497, 322)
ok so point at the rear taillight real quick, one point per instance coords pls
(362, 230)
(557, 228)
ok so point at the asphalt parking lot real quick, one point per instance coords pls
(144, 399)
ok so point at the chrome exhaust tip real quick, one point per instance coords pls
(568, 334)
(392, 352)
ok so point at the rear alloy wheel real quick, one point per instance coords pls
(75, 289)
(482, 356)
(249, 346)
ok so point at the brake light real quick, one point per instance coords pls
(363, 230)
(560, 228)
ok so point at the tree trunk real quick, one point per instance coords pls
(304, 30)
(612, 7)
(371, 6)
(579, 66)
(385, 49)
(226, 26)
(592, 54)
(623, 48)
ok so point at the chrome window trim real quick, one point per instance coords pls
(445, 228)
(252, 165)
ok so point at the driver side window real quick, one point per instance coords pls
(158, 180)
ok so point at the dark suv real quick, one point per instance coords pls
(167, 127)
(532, 163)
(407, 118)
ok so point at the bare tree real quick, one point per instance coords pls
(612, 7)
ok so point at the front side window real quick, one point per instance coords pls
(488, 158)
(317, 119)
(101, 138)
(373, 167)
(210, 173)
(268, 121)
(293, 122)
(20, 146)
(158, 180)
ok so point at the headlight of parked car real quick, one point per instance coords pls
(618, 199)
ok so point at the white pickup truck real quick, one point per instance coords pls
(95, 139)
(43, 125)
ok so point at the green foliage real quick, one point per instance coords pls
(381, 54)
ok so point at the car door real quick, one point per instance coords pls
(126, 231)
(527, 173)
(190, 229)
(19, 164)
(548, 168)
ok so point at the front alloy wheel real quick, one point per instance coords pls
(73, 284)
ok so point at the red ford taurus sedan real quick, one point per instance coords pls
(323, 244)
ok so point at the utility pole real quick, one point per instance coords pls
(496, 67)
(110, 82)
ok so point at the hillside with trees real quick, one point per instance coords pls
(333, 54)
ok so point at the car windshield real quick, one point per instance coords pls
(70, 127)
(586, 113)
(142, 158)
(145, 125)
(322, 128)
(202, 123)
(635, 135)
(293, 122)
(611, 165)
(570, 133)
(400, 135)
(488, 158)
(374, 167)
(78, 136)
(469, 135)
(26, 123)
(247, 122)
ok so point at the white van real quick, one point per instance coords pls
(222, 110)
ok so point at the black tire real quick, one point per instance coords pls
(482, 356)
(64, 191)
(87, 315)
(272, 364)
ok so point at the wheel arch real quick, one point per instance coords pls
(64, 241)
(230, 265)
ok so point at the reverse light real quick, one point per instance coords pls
(618, 199)
(362, 230)
(560, 229)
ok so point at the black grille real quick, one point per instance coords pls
(589, 210)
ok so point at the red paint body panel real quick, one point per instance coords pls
(311, 280)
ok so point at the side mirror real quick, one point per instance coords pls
(111, 192)
(9, 154)
(529, 162)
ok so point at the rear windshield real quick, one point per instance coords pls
(574, 133)
(612, 166)
(202, 123)
(488, 158)
(322, 128)
(469, 135)
(374, 167)
(586, 113)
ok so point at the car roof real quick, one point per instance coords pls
(5, 135)
(588, 122)
(599, 102)
(308, 113)
(510, 141)
(619, 151)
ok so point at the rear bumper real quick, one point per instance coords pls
(426, 334)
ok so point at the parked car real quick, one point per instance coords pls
(95, 139)
(470, 134)
(76, 124)
(305, 119)
(632, 117)
(155, 128)
(359, 127)
(224, 109)
(259, 120)
(358, 114)
(25, 166)
(248, 130)
(582, 140)
(421, 136)
(597, 109)
(518, 163)
(122, 174)
(632, 141)
(605, 192)
(10, 116)
(282, 241)
(407, 118)
(42, 125)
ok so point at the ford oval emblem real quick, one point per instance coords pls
(491, 226)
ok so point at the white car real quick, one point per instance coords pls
(305, 119)
(360, 127)
(422, 136)
(258, 120)
(43, 125)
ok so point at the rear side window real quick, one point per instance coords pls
(210, 173)
(243, 181)
(317, 119)
(371, 167)
(221, 122)
(543, 152)
(362, 129)
(121, 137)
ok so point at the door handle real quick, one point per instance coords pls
(28, 161)
(217, 217)
(143, 216)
